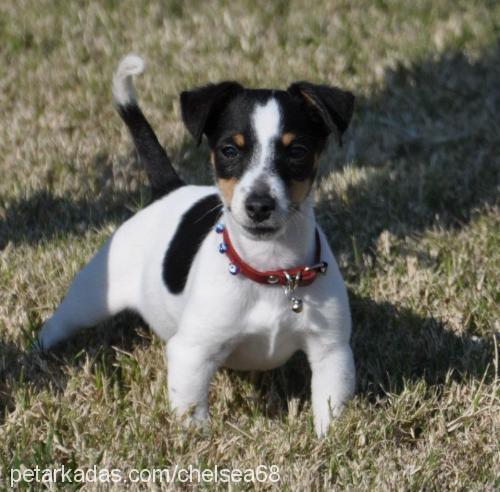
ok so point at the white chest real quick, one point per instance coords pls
(269, 334)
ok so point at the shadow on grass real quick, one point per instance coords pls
(427, 148)
(43, 216)
(394, 345)
(25, 373)
(109, 193)
(12, 362)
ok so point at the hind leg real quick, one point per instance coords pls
(98, 292)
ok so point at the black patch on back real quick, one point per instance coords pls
(193, 228)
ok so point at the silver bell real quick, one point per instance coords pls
(297, 305)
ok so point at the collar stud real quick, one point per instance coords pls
(273, 279)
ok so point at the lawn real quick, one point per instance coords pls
(410, 204)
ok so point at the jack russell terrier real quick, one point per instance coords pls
(239, 274)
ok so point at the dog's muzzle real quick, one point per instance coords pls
(259, 206)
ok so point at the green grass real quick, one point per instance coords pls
(410, 204)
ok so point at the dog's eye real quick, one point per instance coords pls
(298, 151)
(229, 151)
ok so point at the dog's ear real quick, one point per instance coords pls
(201, 106)
(335, 106)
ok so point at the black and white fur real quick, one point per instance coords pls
(164, 261)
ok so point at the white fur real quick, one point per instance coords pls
(219, 319)
(266, 124)
(123, 88)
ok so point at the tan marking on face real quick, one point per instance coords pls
(239, 139)
(226, 187)
(299, 190)
(287, 138)
(212, 158)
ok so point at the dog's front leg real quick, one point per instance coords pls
(191, 366)
(333, 380)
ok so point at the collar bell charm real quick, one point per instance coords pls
(297, 305)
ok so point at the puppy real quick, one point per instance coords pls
(238, 274)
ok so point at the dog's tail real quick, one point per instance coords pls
(162, 176)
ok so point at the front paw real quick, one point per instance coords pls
(325, 418)
(49, 336)
(193, 417)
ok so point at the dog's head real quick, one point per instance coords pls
(265, 145)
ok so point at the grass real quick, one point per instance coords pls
(410, 204)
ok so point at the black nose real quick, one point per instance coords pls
(259, 206)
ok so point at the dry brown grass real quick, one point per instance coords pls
(410, 205)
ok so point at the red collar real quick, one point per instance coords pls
(300, 276)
